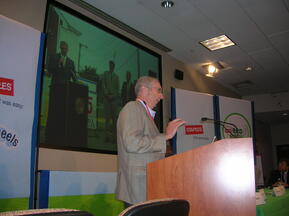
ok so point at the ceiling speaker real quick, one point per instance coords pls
(179, 74)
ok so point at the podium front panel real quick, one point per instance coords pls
(217, 179)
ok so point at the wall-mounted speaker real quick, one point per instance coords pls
(179, 74)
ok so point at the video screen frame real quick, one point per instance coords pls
(89, 71)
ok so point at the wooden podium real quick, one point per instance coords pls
(217, 179)
(67, 115)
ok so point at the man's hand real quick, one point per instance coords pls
(173, 127)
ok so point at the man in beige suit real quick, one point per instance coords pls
(139, 140)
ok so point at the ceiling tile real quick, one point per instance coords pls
(270, 16)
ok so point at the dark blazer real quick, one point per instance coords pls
(61, 74)
(275, 177)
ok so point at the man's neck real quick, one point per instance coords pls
(151, 111)
(142, 99)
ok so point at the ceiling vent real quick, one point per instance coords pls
(243, 84)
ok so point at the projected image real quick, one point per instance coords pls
(89, 75)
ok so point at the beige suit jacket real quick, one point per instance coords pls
(139, 142)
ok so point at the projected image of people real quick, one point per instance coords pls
(110, 84)
(89, 75)
(67, 115)
(61, 67)
(127, 90)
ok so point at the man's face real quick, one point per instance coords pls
(63, 49)
(282, 166)
(154, 94)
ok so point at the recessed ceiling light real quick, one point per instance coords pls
(167, 4)
(212, 69)
(217, 43)
(210, 74)
(248, 68)
(284, 114)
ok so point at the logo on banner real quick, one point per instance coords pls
(243, 126)
(194, 129)
(6, 86)
(8, 138)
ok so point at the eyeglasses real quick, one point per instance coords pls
(159, 90)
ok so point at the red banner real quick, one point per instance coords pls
(194, 129)
(6, 86)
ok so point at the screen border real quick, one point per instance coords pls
(112, 32)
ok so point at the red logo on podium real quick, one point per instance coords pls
(194, 129)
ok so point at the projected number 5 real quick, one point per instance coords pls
(89, 105)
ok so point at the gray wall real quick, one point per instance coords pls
(264, 147)
(32, 13)
(280, 136)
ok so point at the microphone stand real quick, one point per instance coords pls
(223, 124)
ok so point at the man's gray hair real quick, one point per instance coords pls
(144, 81)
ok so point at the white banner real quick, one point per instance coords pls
(192, 107)
(19, 51)
(238, 113)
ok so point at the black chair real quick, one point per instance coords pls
(159, 207)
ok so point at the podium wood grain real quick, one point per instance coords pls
(217, 179)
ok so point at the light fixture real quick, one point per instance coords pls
(211, 71)
(217, 43)
(210, 74)
(212, 68)
(248, 68)
(167, 4)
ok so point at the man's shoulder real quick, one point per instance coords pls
(132, 108)
(133, 105)
(54, 56)
(69, 59)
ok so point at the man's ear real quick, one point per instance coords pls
(143, 91)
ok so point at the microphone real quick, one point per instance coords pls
(222, 123)
(206, 119)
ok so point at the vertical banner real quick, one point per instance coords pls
(237, 117)
(192, 107)
(19, 52)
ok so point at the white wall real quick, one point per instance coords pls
(280, 136)
(29, 12)
(270, 102)
(264, 147)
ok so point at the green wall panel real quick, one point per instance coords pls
(100, 204)
(14, 204)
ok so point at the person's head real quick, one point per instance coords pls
(149, 90)
(63, 48)
(283, 165)
(111, 65)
